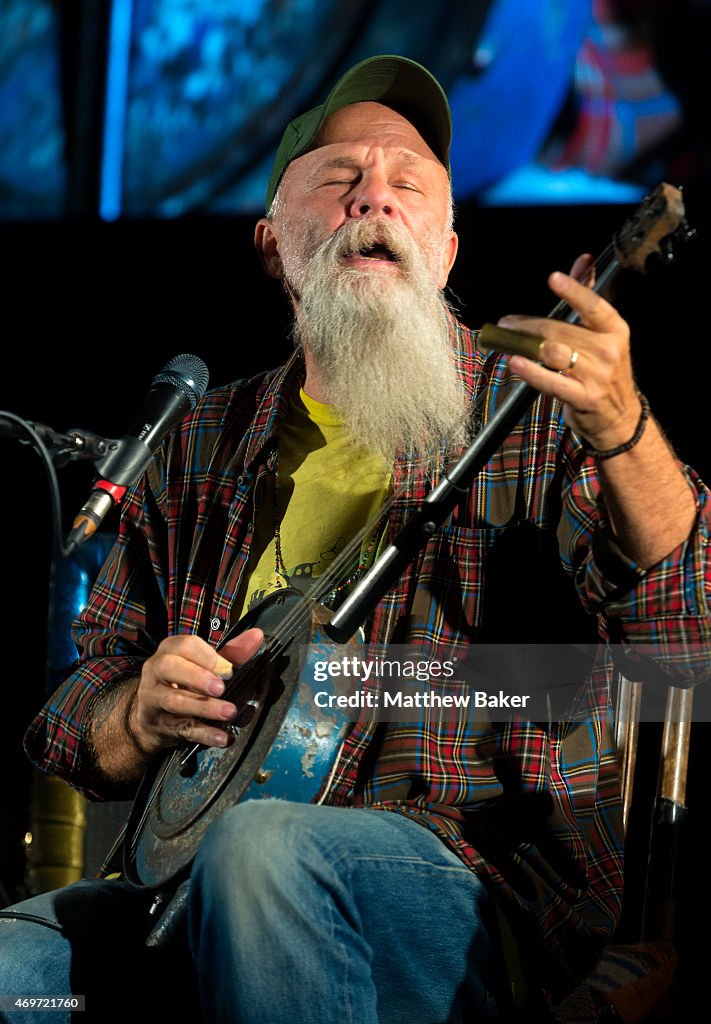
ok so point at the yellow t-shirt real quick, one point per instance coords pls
(327, 489)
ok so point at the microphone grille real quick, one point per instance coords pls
(188, 373)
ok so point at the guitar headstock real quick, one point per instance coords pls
(654, 229)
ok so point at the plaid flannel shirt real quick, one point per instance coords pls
(533, 808)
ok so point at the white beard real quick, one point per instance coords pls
(380, 342)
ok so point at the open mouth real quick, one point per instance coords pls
(377, 251)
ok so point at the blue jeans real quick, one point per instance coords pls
(297, 913)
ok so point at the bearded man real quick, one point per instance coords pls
(382, 900)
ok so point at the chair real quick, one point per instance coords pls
(633, 981)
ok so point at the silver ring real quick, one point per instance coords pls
(573, 360)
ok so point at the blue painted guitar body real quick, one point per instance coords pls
(284, 746)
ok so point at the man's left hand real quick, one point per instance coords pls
(597, 385)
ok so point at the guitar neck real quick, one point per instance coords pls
(602, 273)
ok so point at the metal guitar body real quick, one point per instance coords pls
(284, 746)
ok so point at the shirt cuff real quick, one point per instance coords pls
(676, 586)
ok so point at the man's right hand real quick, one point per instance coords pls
(178, 696)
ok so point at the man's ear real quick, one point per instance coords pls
(267, 246)
(449, 256)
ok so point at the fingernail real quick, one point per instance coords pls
(223, 667)
(216, 688)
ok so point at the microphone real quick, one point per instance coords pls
(173, 393)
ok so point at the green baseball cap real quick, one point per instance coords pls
(397, 82)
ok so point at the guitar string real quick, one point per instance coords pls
(300, 615)
(293, 621)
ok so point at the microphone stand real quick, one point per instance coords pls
(63, 448)
(57, 450)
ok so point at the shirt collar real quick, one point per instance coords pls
(272, 409)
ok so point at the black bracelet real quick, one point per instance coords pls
(639, 430)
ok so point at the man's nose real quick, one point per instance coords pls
(373, 195)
